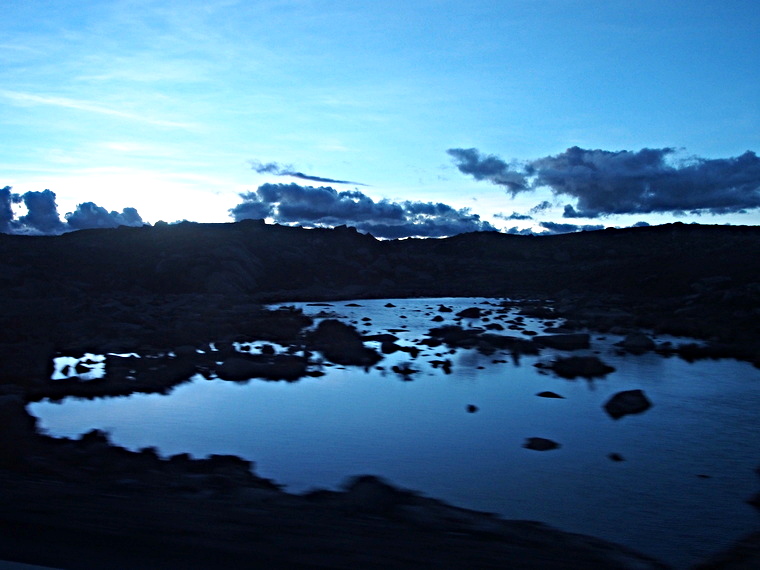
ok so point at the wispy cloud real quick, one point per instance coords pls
(288, 170)
(24, 98)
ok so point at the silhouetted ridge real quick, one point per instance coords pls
(275, 262)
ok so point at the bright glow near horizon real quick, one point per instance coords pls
(162, 105)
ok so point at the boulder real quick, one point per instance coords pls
(627, 402)
(549, 395)
(584, 366)
(470, 313)
(342, 344)
(540, 444)
(638, 343)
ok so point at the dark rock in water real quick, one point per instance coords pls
(404, 370)
(389, 347)
(574, 341)
(383, 337)
(616, 457)
(444, 364)
(445, 309)
(540, 444)
(470, 313)
(549, 395)
(583, 366)
(437, 319)
(638, 343)
(389, 305)
(627, 402)
(755, 501)
(471, 408)
(342, 344)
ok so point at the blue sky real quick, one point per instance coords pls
(164, 106)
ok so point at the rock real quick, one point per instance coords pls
(342, 344)
(627, 402)
(540, 444)
(445, 309)
(638, 343)
(616, 457)
(404, 370)
(584, 366)
(549, 395)
(471, 408)
(17, 428)
(470, 313)
(574, 341)
(372, 494)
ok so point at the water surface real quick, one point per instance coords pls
(679, 495)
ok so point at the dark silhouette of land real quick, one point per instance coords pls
(168, 290)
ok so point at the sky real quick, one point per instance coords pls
(413, 117)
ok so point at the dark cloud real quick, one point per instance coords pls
(627, 182)
(89, 215)
(521, 232)
(555, 228)
(324, 207)
(490, 168)
(545, 205)
(6, 211)
(288, 170)
(513, 216)
(42, 215)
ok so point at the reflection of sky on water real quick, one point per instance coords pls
(318, 431)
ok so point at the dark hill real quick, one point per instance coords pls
(190, 283)
(283, 263)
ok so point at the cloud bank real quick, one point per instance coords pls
(282, 170)
(42, 217)
(324, 207)
(626, 182)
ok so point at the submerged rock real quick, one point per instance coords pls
(627, 402)
(549, 395)
(342, 344)
(584, 366)
(638, 343)
(540, 444)
(470, 313)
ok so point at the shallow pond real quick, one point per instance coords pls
(679, 494)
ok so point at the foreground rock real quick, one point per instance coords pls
(626, 403)
(88, 504)
(540, 444)
(584, 366)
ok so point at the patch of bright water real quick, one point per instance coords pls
(679, 495)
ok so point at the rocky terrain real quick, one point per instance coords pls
(165, 292)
